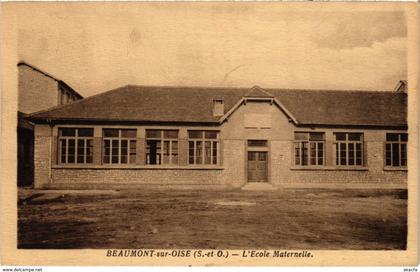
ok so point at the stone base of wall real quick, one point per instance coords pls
(134, 186)
(344, 177)
(340, 185)
(155, 177)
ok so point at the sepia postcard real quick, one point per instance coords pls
(209, 133)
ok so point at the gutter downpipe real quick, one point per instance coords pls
(51, 154)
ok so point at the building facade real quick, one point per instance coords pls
(221, 137)
(37, 90)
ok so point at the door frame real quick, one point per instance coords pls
(261, 149)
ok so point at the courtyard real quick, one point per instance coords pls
(351, 219)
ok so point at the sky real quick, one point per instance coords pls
(99, 47)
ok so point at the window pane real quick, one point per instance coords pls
(110, 132)
(316, 136)
(257, 143)
(124, 147)
(359, 154)
(89, 151)
(340, 136)
(211, 134)
(404, 137)
(153, 133)
(395, 154)
(313, 153)
(67, 132)
(355, 137)
(297, 154)
(388, 154)
(252, 156)
(337, 154)
(191, 152)
(85, 132)
(403, 154)
(351, 154)
(207, 154)
(199, 152)
(80, 151)
(195, 134)
(63, 150)
(133, 151)
(128, 133)
(320, 153)
(174, 152)
(301, 136)
(72, 150)
(124, 159)
(115, 151)
(304, 153)
(171, 134)
(343, 153)
(107, 150)
(262, 156)
(392, 137)
(166, 152)
(214, 152)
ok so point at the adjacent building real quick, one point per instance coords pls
(224, 137)
(37, 90)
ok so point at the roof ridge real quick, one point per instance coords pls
(188, 87)
(266, 90)
(257, 88)
(330, 90)
(77, 101)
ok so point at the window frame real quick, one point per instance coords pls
(162, 140)
(214, 144)
(400, 143)
(337, 149)
(76, 138)
(119, 138)
(308, 141)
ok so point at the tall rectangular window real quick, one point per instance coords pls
(396, 149)
(119, 146)
(161, 146)
(349, 149)
(75, 145)
(309, 148)
(203, 147)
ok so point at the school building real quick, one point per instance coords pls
(224, 138)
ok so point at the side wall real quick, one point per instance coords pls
(36, 91)
(42, 155)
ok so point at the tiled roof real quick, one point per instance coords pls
(194, 104)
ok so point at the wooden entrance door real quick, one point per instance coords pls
(257, 166)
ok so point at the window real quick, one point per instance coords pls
(119, 146)
(161, 146)
(203, 147)
(396, 149)
(257, 143)
(348, 149)
(309, 148)
(75, 145)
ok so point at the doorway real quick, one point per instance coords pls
(257, 166)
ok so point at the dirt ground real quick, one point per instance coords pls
(233, 219)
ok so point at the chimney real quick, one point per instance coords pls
(401, 87)
(218, 108)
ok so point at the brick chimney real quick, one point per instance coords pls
(218, 107)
